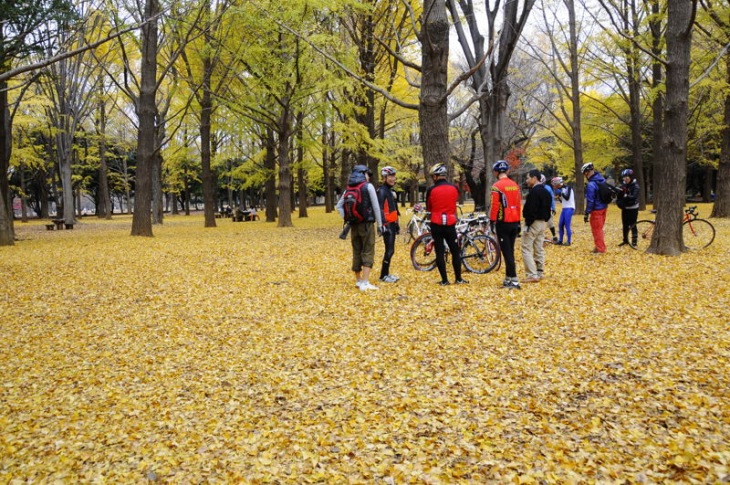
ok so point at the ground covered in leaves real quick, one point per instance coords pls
(245, 353)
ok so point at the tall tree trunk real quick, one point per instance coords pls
(432, 112)
(327, 151)
(722, 191)
(576, 123)
(7, 231)
(146, 110)
(270, 166)
(285, 176)
(670, 175)
(301, 172)
(657, 107)
(206, 109)
(104, 210)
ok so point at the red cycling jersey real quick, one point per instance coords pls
(441, 200)
(506, 200)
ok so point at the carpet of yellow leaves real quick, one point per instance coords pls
(246, 354)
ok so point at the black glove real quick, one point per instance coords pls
(396, 227)
(493, 227)
(383, 230)
(585, 218)
(553, 211)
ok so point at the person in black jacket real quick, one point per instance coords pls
(536, 213)
(389, 206)
(628, 202)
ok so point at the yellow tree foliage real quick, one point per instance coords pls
(246, 354)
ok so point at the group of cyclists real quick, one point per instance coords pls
(506, 215)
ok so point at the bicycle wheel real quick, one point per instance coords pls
(423, 254)
(480, 254)
(646, 231)
(697, 233)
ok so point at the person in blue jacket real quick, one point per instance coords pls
(595, 209)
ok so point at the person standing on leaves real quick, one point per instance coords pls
(536, 213)
(595, 208)
(628, 201)
(386, 199)
(504, 216)
(441, 200)
(566, 194)
(363, 233)
(551, 221)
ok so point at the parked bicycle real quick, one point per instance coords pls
(696, 233)
(479, 252)
(419, 223)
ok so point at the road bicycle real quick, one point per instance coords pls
(696, 233)
(479, 252)
(419, 223)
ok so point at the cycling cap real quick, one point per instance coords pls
(387, 171)
(586, 167)
(361, 169)
(627, 173)
(557, 181)
(500, 166)
(438, 169)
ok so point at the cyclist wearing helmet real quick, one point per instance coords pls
(441, 200)
(363, 234)
(595, 208)
(628, 201)
(504, 216)
(567, 198)
(386, 199)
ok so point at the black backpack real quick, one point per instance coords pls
(355, 204)
(606, 192)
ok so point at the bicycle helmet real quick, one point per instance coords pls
(387, 171)
(500, 166)
(557, 181)
(586, 167)
(627, 173)
(438, 169)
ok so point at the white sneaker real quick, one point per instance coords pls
(389, 278)
(366, 285)
(358, 283)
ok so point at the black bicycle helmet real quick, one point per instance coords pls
(627, 173)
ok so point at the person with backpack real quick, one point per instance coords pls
(386, 199)
(536, 213)
(596, 206)
(441, 200)
(359, 206)
(628, 202)
(504, 216)
(566, 195)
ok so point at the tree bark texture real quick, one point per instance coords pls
(146, 111)
(7, 231)
(209, 179)
(270, 166)
(722, 192)
(433, 114)
(670, 175)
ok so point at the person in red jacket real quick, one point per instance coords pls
(504, 217)
(441, 200)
